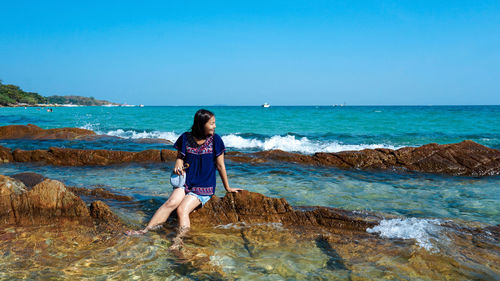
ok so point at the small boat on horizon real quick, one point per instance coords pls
(266, 105)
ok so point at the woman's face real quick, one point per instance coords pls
(210, 126)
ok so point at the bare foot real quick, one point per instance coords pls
(177, 245)
(142, 231)
(136, 232)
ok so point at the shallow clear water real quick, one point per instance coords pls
(420, 245)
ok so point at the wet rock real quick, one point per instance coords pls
(99, 192)
(5, 155)
(105, 219)
(251, 207)
(47, 202)
(29, 179)
(34, 132)
(168, 155)
(50, 203)
(466, 158)
(80, 157)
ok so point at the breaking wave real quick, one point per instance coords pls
(424, 231)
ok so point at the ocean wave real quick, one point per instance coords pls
(292, 144)
(289, 143)
(422, 230)
(131, 134)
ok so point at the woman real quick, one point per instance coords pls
(202, 151)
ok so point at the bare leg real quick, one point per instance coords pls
(188, 204)
(161, 215)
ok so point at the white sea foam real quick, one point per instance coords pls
(131, 134)
(286, 143)
(422, 230)
(90, 126)
(292, 144)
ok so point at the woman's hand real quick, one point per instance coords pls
(229, 189)
(179, 168)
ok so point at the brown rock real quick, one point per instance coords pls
(250, 207)
(34, 132)
(466, 158)
(104, 218)
(80, 157)
(168, 155)
(100, 193)
(5, 155)
(29, 179)
(51, 203)
(47, 202)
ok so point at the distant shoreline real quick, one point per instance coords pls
(332, 106)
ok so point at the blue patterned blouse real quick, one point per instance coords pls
(200, 176)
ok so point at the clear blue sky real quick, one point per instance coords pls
(250, 52)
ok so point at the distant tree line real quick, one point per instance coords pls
(76, 100)
(13, 95)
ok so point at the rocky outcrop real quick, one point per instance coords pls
(80, 157)
(34, 132)
(29, 179)
(49, 202)
(5, 155)
(255, 208)
(31, 131)
(99, 193)
(466, 158)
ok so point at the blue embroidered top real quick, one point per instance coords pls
(200, 176)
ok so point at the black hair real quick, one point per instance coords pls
(201, 117)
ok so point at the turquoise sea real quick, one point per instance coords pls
(423, 202)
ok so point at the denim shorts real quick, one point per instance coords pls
(203, 198)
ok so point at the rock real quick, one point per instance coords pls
(105, 219)
(5, 155)
(50, 202)
(80, 157)
(466, 158)
(251, 207)
(29, 179)
(100, 193)
(34, 132)
(47, 202)
(168, 155)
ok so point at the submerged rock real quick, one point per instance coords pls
(31, 131)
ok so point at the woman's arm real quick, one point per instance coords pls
(221, 167)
